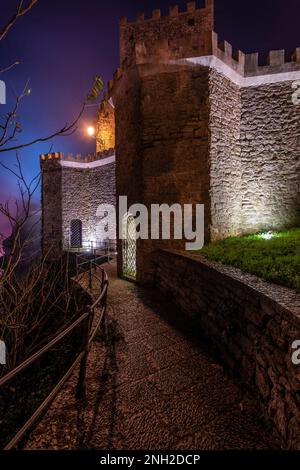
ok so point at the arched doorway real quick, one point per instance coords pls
(129, 247)
(76, 233)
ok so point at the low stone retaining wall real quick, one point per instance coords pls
(251, 323)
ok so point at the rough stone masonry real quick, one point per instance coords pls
(72, 190)
(191, 122)
(197, 123)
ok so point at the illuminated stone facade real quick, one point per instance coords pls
(72, 190)
(193, 122)
(197, 123)
(105, 130)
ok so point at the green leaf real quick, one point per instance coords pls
(97, 88)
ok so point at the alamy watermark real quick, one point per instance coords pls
(159, 222)
(296, 353)
(296, 93)
(2, 353)
(2, 92)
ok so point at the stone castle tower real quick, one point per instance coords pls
(194, 122)
(197, 123)
(72, 190)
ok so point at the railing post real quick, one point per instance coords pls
(104, 306)
(102, 279)
(81, 385)
(90, 275)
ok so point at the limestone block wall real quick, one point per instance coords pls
(270, 157)
(175, 142)
(190, 134)
(102, 190)
(199, 123)
(82, 192)
(129, 161)
(51, 196)
(105, 130)
(162, 145)
(196, 21)
(224, 156)
(250, 323)
(74, 190)
(76, 201)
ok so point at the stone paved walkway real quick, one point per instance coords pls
(151, 385)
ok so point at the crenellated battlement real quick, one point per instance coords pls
(247, 65)
(174, 26)
(197, 45)
(174, 11)
(111, 83)
(190, 34)
(78, 158)
(108, 94)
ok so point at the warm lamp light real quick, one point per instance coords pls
(91, 131)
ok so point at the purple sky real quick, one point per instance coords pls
(62, 45)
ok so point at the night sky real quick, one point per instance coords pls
(63, 44)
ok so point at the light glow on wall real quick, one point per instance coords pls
(267, 235)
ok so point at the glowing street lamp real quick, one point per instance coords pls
(91, 131)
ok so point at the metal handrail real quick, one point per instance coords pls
(89, 334)
(92, 245)
(24, 365)
(44, 405)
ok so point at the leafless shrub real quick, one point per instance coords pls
(37, 296)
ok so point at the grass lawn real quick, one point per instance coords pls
(275, 259)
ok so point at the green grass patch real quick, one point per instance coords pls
(273, 256)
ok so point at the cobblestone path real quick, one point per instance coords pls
(151, 385)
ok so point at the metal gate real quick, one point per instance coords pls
(76, 233)
(129, 247)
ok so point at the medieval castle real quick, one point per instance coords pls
(184, 120)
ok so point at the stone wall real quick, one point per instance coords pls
(188, 134)
(128, 144)
(254, 157)
(270, 157)
(82, 192)
(250, 323)
(162, 118)
(224, 158)
(75, 192)
(105, 131)
(51, 196)
(196, 21)
(199, 123)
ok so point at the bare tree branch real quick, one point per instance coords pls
(9, 67)
(38, 294)
(21, 10)
(67, 130)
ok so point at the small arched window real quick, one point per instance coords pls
(76, 233)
